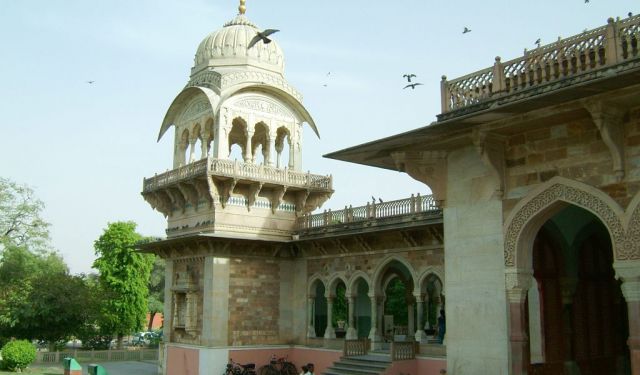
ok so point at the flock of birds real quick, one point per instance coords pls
(263, 36)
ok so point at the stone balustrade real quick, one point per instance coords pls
(603, 47)
(373, 210)
(236, 169)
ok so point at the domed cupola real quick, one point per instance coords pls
(227, 47)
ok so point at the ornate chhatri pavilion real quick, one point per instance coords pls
(529, 236)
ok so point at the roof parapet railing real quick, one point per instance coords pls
(602, 47)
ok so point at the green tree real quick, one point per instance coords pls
(396, 303)
(20, 221)
(20, 271)
(124, 276)
(156, 290)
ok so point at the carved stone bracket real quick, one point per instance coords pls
(428, 167)
(276, 197)
(491, 149)
(225, 188)
(205, 190)
(315, 200)
(254, 190)
(608, 119)
(301, 200)
(176, 198)
(160, 201)
(408, 239)
(190, 193)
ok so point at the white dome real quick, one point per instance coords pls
(228, 47)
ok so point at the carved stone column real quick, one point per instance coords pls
(192, 149)
(420, 335)
(517, 284)
(374, 333)
(292, 153)
(311, 329)
(247, 148)
(329, 333)
(410, 318)
(629, 272)
(352, 334)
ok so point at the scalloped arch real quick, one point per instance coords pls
(287, 98)
(547, 199)
(183, 98)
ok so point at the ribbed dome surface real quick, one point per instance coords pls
(228, 46)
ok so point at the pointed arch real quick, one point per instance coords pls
(352, 285)
(332, 284)
(379, 271)
(429, 273)
(311, 285)
(546, 200)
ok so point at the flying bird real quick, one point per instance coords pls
(586, 1)
(412, 85)
(409, 76)
(90, 82)
(466, 30)
(262, 36)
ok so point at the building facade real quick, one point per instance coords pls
(533, 165)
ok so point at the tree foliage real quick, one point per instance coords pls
(20, 221)
(396, 303)
(155, 302)
(37, 295)
(124, 276)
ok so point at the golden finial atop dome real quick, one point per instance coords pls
(242, 8)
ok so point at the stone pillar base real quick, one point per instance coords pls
(311, 332)
(352, 334)
(329, 333)
(421, 336)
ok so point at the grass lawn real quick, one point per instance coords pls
(38, 371)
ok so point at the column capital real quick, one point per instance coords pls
(517, 284)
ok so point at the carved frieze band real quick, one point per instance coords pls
(624, 242)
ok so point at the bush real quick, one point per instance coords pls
(17, 355)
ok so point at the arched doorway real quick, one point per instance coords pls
(575, 314)
(394, 308)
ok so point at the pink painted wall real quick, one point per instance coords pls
(321, 359)
(431, 366)
(182, 361)
(419, 366)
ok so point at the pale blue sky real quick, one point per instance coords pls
(85, 148)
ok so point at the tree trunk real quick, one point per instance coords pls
(151, 316)
(120, 339)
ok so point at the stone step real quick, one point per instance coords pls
(360, 365)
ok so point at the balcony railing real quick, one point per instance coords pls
(614, 43)
(412, 205)
(228, 168)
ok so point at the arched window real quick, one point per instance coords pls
(238, 136)
(282, 145)
(260, 143)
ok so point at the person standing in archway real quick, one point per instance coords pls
(442, 327)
